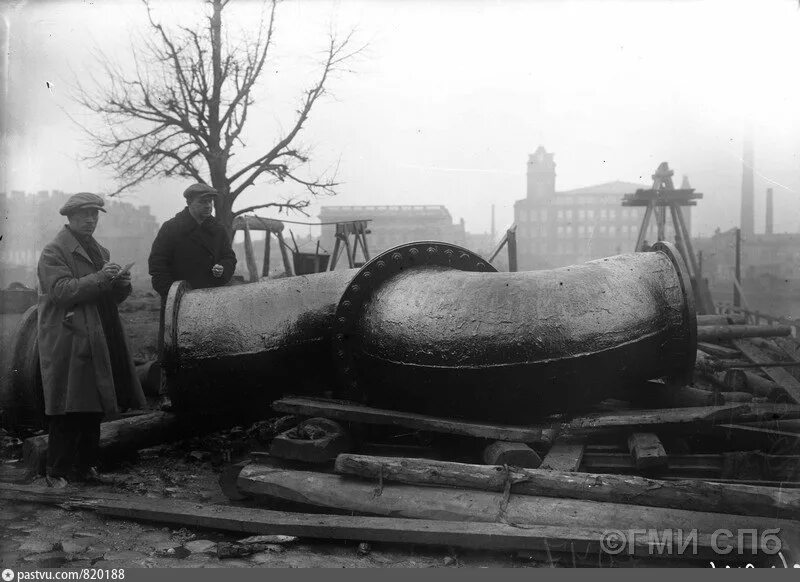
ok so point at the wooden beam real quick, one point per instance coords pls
(780, 376)
(626, 489)
(249, 520)
(351, 259)
(563, 456)
(116, 437)
(717, 351)
(645, 225)
(342, 493)
(514, 454)
(658, 416)
(257, 223)
(706, 333)
(355, 413)
(287, 264)
(760, 430)
(771, 467)
(647, 451)
(265, 263)
(249, 254)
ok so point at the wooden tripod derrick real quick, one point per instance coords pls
(663, 197)
(344, 230)
(271, 227)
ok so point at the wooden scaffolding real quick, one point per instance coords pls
(344, 230)
(663, 197)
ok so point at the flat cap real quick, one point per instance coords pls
(196, 190)
(80, 201)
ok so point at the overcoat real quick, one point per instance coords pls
(184, 250)
(73, 351)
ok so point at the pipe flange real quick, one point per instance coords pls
(689, 312)
(372, 275)
(169, 340)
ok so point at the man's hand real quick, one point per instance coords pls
(217, 270)
(110, 270)
(123, 279)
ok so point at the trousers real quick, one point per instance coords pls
(73, 444)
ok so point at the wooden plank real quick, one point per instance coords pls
(760, 430)
(721, 320)
(718, 351)
(248, 520)
(563, 456)
(778, 375)
(773, 411)
(346, 494)
(769, 467)
(706, 333)
(355, 413)
(647, 451)
(658, 416)
(626, 489)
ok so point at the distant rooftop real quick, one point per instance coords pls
(615, 188)
(390, 210)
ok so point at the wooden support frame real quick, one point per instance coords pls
(265, 263)
(270, 226)
(509, 240)
(657, 200)
(358, 230)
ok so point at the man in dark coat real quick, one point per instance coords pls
(193, 246)
(87, 369)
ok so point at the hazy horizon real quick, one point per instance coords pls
(451, 97)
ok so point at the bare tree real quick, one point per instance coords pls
(182, 109)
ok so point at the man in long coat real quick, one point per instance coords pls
(87, 369)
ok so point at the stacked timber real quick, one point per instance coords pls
(622, 468)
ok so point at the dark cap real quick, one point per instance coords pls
(196, 190)
(80, 201)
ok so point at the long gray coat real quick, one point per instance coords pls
(75, 362)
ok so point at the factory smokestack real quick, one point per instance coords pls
(769, 226)
(747, 219)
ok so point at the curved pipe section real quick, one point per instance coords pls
(430, 327)
(511, 347)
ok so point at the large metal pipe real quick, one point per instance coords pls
(510, 347)
(431, 327)
(250, 343)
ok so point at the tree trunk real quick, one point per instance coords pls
(224, 210)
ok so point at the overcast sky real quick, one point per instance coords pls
(451, 97)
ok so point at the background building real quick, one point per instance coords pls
(564, 228)
(30, 221)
